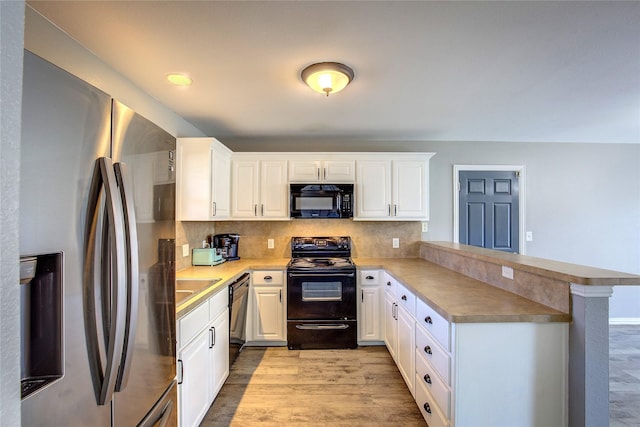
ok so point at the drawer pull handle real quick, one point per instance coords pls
(369, 277)
(268, 277)
(427, 408)
(428, 320)
(427, 379)
(404, 297)
(427, 350)
(388, 283)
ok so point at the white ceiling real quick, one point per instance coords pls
(520, 71)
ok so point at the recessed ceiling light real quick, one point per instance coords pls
(179, 79)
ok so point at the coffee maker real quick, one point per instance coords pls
(226, 245)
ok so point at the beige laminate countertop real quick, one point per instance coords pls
(456, 297)
(574, 273)
(227, 272)
(459, 298)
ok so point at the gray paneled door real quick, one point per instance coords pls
(489, 209)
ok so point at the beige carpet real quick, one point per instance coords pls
(279, 387)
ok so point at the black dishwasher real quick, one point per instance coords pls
(238, 300)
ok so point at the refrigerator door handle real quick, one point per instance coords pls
(112, 286)
(132, 285)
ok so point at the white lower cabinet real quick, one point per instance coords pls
(203, 357)
(370, 307)
(477, 374)
(391, 324)
(405, 353)
(267, 307)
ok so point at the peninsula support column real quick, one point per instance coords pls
(589, 356)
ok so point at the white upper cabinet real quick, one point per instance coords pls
(259, 188)
(203, 180)
(392, 187)
(331, 171)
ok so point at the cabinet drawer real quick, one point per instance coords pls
(369, 277)
(431, 380)
(433, 353)
(269, 277)
(219, 302)
(406, 298)
(192, 323)
(437, 325)
(428, 406)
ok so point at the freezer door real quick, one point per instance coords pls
(65, 127)
(149, 368)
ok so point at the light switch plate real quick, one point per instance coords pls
(270, 244)
(185, 249)
(529, 236)
(395, 243)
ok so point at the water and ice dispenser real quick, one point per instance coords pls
(41, 327)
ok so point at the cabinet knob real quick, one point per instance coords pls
(388, 283)
(369, 277)
(427, 350)
(428, 320)
(427, 379)
(427, 408)
(404, 298)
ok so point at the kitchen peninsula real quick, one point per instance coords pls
(488, 289)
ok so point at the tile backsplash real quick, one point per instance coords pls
(370, 238)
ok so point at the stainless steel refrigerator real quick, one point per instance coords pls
(97, 191)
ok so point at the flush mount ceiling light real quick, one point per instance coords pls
(327, 77)
(179, 79)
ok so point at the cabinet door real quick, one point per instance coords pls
(410, 191)
(338, 171)
(220, 185)
(369, 320)
(390, 324)
(373, 189)
(244, 184)
(304, 171)
(268, 316)
(274, 190)
(219, 352)
(193, 179)
(406, 350)
(194, 392)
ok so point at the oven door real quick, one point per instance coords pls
(321, 296)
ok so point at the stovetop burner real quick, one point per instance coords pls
(321, 263)
(321, 253)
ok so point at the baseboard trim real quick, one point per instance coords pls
(624, 320)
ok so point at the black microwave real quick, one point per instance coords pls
(321, 200)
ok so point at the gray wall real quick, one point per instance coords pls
(11, 48)
(582, 200)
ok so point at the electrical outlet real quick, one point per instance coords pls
(507, 272)
(529, 236)
(425, 227)
(270, 244)
(395, 243)
(185, 249)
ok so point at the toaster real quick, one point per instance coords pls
(206, 256)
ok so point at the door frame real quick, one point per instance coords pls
(521, 197)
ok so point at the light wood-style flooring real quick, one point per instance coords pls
(275, 386)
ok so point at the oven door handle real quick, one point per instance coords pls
(322, 327)
(322, 275)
